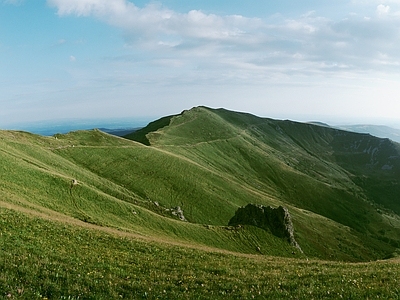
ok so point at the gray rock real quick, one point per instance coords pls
(177, 211)
(275, 220)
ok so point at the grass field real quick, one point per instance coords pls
(55, 260)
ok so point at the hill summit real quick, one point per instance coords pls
(349, 178)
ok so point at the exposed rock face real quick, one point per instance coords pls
(275, 220)
(177, 211)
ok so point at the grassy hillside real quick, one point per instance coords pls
(208, 163)
(86, 263)
(34, 176)
(302, 165)
(117, 231)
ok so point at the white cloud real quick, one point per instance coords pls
(235, 44)
(155, 20)
(72, 58)
(86, 7)
(374, 2)
(383, 9)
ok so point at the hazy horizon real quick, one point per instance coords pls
(53, 126)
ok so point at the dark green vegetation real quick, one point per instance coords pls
(116, 232)
(351, 179)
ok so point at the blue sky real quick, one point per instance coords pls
(332, 61)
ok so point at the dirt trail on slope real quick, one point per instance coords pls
(50, 215)
(53, 216)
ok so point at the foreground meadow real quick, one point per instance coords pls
(47, 259)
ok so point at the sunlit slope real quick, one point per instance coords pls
(35, 178)
(210, 196)
(303, 165)
(120, 183)
(209, 163)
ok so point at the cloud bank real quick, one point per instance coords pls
(310, 44)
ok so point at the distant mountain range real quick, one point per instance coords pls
(117, 126)
(376, 130)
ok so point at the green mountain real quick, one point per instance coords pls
(351, 179)
(89, 200)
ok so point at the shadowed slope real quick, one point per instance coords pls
(140, 135)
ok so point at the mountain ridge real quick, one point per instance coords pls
(305, 138)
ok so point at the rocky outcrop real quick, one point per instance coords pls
(177, 212)
(275, 220)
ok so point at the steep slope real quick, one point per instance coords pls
(130, 187)
(36, 174)
(309, 167)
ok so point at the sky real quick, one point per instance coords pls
(331, 61)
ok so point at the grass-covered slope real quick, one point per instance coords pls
(37, 172)
(114, 234)
(301, 165)
(131, 187)
(44, 259)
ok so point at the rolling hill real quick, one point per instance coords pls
(169, 190)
